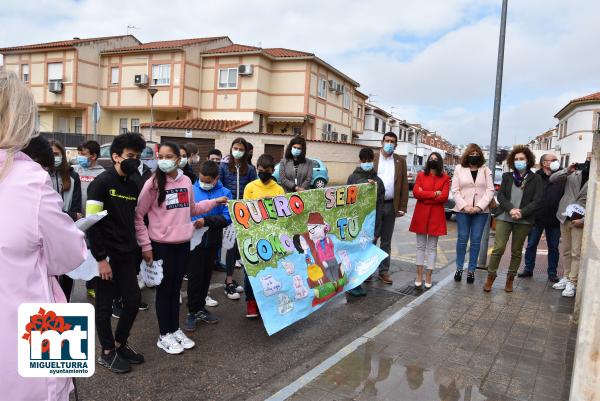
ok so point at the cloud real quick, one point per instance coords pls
(433, 60)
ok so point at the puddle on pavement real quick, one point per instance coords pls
(368, 374)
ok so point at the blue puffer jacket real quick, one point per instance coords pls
(216, 219)
(229, 179)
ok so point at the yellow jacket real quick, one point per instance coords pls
(256, 189)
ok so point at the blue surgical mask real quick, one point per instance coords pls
(57, 161)
(367, 166)
(520, 165)
(83, 161)
(166, 166)
(237, 154)
(388, 148)
(296, 152)
(206, 187)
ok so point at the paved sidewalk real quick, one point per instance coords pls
(463, 344)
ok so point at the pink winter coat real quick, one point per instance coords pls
(37, 241)
(467, 192)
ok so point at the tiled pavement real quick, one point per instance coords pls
(464, 344)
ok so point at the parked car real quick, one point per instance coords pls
(149, 155)
(320, 176)
(412, 175)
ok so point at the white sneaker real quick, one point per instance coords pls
(238, 263)
(211, 302)
(569, 290)
(562, 284)
(169, 344)
(141, 283)
(183, 340)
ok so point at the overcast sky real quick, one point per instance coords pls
(434, 62)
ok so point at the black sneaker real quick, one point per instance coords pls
(143, 306)
(470, 277)
(458, 275)
(117, 308)
(130, 355)
(525, 273)
(206, 317)
(230, 291)
(114, 362)
(553, 279)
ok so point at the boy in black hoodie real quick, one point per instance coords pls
(362, 175)
(114, 245)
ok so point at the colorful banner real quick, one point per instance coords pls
(302, 249)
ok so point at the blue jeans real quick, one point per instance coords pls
(470, 228)
(552, 239)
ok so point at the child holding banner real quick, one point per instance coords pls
(168, 201)
(265, 186)
(203, 256)
(363, 174)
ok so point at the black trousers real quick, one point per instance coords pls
(175, 259)
(66, 284)
(124, 282)
(200, 269)
(231, 256)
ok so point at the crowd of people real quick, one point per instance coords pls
(153, 215)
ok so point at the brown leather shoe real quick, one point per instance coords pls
(508, 287)
(385, 277)
(487, 287)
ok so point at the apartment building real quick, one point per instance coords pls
(577, 122)
(275, 90)
(64, 78)
(544, 143)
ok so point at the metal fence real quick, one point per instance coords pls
(73, 140)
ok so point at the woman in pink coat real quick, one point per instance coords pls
(429, 219)
(38, 241)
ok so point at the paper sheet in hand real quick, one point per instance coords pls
(197, 237)
(152, 274)
(88, 221)
(87, 270)
(229, 237)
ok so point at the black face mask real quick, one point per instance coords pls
(433, 164)
(130, 166)
(474, 160)
(265, 177)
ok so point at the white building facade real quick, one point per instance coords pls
(577, 122)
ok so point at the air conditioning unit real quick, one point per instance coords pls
(141, 79)
(55, 86)
(245, 69)
(333, 85)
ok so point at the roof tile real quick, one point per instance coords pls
(200, 124)
(58, 44)
(165, 44)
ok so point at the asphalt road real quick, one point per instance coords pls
(236, 359)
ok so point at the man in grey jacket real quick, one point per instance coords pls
(571, 226)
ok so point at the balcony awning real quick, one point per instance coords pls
(286, 119)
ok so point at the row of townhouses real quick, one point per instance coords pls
(571, 139)
(208, 90)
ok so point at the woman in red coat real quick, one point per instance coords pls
(429, 220)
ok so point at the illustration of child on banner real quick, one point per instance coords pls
(302, 249)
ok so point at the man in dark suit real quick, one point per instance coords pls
(391, 168)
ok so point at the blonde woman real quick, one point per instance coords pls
(39, 240)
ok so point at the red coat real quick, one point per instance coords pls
(429, 216)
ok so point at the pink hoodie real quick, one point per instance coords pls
(171, 221)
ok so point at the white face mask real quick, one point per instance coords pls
(166, 166)
(555, 165)
(183, 162)
(206, 187)
(237, 154)
(57, 161)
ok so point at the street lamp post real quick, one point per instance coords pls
(495, 125)
(152, 92)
